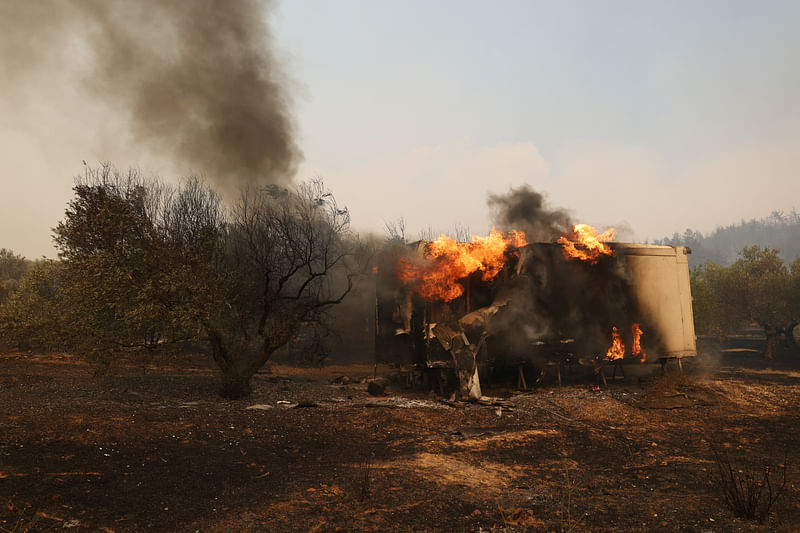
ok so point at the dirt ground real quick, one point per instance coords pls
(148, 446)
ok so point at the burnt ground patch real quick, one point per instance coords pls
(149, 447)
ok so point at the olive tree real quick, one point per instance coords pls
(793, 330)
(12, 268)
(757, 288)
(118, 286)
(145, 264)
(763, 281)
(284, 257)
(33, 315)
(719, 308)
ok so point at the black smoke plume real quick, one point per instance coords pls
(195, 81)
(525, 209)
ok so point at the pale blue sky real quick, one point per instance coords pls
(656, 116)
(615, 103)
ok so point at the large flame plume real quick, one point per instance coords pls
(584, 243)
(446, 261)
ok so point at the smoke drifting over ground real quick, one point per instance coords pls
(525, 209)
(195, 82)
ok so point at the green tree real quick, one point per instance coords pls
(33, 316)
(116, 277)
(144, 262)
(763, 281)
(757, 288)
(793, 328)
(12, 268)
(718, 306)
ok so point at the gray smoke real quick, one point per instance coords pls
(525, 209)
(192, 80)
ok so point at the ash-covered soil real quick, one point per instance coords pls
(148, 446)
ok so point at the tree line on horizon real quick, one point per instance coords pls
(746, 274)
(779, 230)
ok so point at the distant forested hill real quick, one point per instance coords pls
(778, 230)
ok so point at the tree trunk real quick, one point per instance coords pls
(238, 366)
(235, 379)
(236, 385)
(771, 334)
(794, 337)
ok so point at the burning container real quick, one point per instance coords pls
(538, 306)
(659, 282)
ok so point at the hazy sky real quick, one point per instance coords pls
(656, 116)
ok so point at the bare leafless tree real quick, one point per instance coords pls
(461, 233)
(395, 230)
(280, 259)
(427, 234)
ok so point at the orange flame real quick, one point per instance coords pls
(448, 261)
(636, 349)
(585, 244)
(617, 350)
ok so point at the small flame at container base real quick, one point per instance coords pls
(636, 349)
(617, 349)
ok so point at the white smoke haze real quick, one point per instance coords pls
(634, 186)
(631, 188)
(630, 133)
(440, 186)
